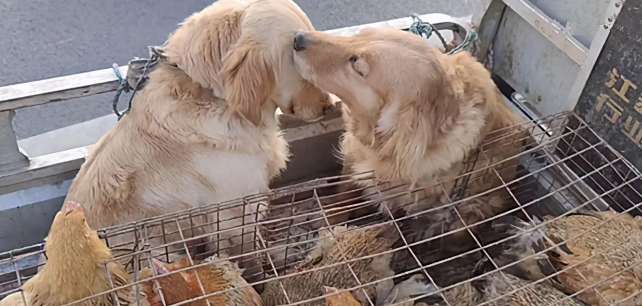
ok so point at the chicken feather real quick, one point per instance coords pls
(335, 246)
(496, 289)
(219, 275)
(339, 299)
(599, 258)
(76, 267)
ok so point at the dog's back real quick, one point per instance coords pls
(130, 174)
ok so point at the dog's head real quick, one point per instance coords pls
(385, 77)
(242, 51)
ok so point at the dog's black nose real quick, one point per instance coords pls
(300, 42)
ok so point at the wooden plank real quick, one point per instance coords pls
(550, 28)
(43, 169)
(58, 89)
(56, 167)
(311, 130)
(10, 155)
(101, 81)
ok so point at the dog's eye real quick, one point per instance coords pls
(353, 59)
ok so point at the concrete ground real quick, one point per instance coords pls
(41, 40)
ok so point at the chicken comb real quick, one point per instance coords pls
(71, 206)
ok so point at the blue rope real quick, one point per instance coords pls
(426, 29)
(124, 84)
(471, 37)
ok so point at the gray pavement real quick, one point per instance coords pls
(43, 38)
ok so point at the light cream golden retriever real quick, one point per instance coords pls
(203, 129)
(415, 116)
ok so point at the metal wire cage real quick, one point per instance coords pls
(361, 236)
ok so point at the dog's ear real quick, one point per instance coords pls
(248, 79)
(200, 43)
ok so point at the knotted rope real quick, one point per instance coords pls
(137, 74)
(425, 29)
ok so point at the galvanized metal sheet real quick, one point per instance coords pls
(532, 65)
(612, 99)
(580, 17)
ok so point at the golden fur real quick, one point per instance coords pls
(339, 299)
(220, 275)
(413, 114)
(76, 267)
(203, 128)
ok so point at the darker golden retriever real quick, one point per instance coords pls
(415, 116)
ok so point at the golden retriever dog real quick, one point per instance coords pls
(415, 116)
(203, 128)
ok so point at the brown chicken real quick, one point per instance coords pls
(76, 265)
(605, 260)
(500, 285)
(182, 286)
(599, 259)
(497, 289)
(527, 293)
(335, 246)
(339, 299)
(461, 295)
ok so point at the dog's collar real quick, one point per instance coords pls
(138, 70)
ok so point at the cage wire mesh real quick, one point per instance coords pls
(566, 233)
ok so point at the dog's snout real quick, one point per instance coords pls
(300, 41)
